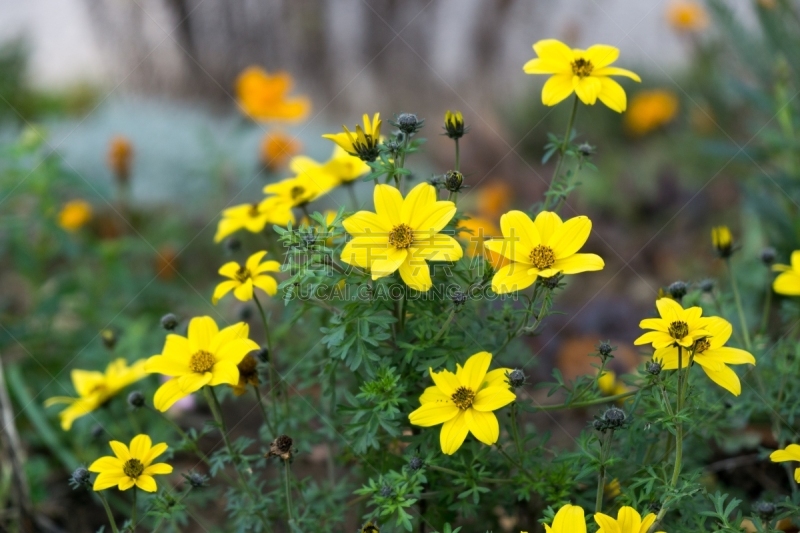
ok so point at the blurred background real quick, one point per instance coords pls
(131, 107)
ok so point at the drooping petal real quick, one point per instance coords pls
(612, 94)
(388, 204)
(726, 378)
(616, 71)
(146, 483)
(453, 433)
(493, 398)
(556, 89)
(126, 483)
(601, 55)
(483, 425)
(244, 292)
(167, 394)
(266, 284)
(224, 372)
(474, 370)
(201, 330)
(222, 289)
(512, 278)
(416, 274)
(577, 263)
(730, 356)
(570, 236)
(158, 468)
(790, 453)
(433, 414)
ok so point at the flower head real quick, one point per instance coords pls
(364, 142)
(265, 97)
(568, 519)
(454, 124)
(130, 465)
(676, 327)
(463, 402)
(252, 217)
(790, 453)
(610, 385)
(207, 356)
(96, 388)
(628, 521)
(403, 234)
(308, 185)
(650, 110)
(711, 354)
(340, 168)
(722, 241)
(74, 215)
(687, 15)
(277, 148)
(541, 248)
(788, 281)
(248, 374)
(243, 278)
(120, 155)
(587, 73)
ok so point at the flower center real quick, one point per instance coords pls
(678, 329)
(401, 236)
(297, 191)
(133, 468)
(254, 212)
(463, 398)
(242, 274)
(701, 346)
(542, 257)
(201, 362)
(582, 67)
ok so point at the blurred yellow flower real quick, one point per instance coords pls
(676, 327)
(482, 229)
(650, 110)
(277, 148)
(130, 466)
(252, 217)
(248, 374)
(612, 489)
(402, 235)
(244, 278)
(584, 72)
(790, 453)
(493, 198)
(264, 97)
(294, 192)
(364, 143)
(722, 241)
(568, 519)
(610, 385)
(120, 155)
(464, 402)
(207, 356)
(628, 521)
(75, 214)
(788, 281)
(687, 15)
(544, 247)
(341, 167)
(96, 388)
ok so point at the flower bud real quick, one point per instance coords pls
(79, 478)
(553, 282)
(281, 447)
(722, 240)
(516, 378)
(408, 123)
(169, 322)
(109, 338)
(415, 463)
(654, 368)
(454, 124)
(605, 349)
(586, 150)
(120, 156)
(386, 491)
(136, 399)
(263, 354)
(195, 480)
(765, 510)
(245, 313)
(453, 180)
(707, 285)
(614, 417)
(370, 527)
(459, 298)
(677, 290)
(233, 245)
(768, 256)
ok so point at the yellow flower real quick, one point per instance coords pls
(341, 167)
(610, 385)
(293, 192)
(494, 198)
(244, 278)
(96, 388)
(612, 489)
(650, 110)
(788, 281)
(711, 354)
(568, 519)
(207, 357)
(364, 143)
(252, 217)
(277, 148)
(687, 15)
(463, 402)
(402, 235)
(75, 214)
(585, 72)
(676, 327)
(120, 154)
(722, 241)
(264, 97)
(131, 466)
(790, 453)
(628, 521)
(543, 247)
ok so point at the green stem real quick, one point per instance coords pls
(273, 380)
(459, 474)
(517, 464)
(402, 162)
(444, 327)
(288, 492)
(605, 442)
(562, 150)
(739, 308)
(458, 156)
(109, 514)
(216, 411)
(515, 430)
(767, 305)
(133, 511)
(267, 419)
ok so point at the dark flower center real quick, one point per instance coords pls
(463, 398)
(202, 362)
(701, 346)
(582, 67)
(401, 236)
(297, 191)
(678, 329)
(133, 468)
(242, 274)
(542, 257)
(254, 212)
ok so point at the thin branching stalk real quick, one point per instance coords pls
(451, 472)
(588, 403)
(109, 514)
(739, 309)
(288, 489)
(273, 372)
(445, 326)
(562, 151)
(605, 446)
(133, 511)
(515, 430)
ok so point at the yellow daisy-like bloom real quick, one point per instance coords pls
(628, 521)
(364, 142)
(650, 110)
(207, 357)
(463, 402)
(403, 234)
(711, 354)
(74, 215)
(244, 278)
(265, 97)
(96, 388)
(790, 453)
(568, 519)
(544, 247)
(293, 192)
(676, 327)
(687, 15)
(251, 217)
(584, 72)
(610, 385)
(722, 240)
(341, 167)
(788, 281)
(277, 148)
(130, 466)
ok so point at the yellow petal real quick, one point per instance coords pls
(235, 350)
(720, 330)
(416, 274)
(434, 217)
(224, 372)
(474, 371)
(120, 450)
(366, 223)
(569, 519)
(342, 139)
(547, 223)
(254, 260)
(433, 414)
(512, 278)
(483, 426)
(362, 251)
(657, 324)
(601, 55)
(85, 381)
(268, 266)
(511, 249)
(790, 453)
(244, 292)
(158, 468)
(629, 519)
(647, 521)
(570, 236)
(222, 289)
(388, 204)
(519, 229)
(587, 88)
(554, 50)
(107, 464)
(497, 377)
(433, 394)
(669, 309)
(725, 378)
(140, 447)
(613, 95)
(106, 480)
(154, 452)
(787, 283)
(493, 398)
(383, 267)
(126, 483)
(556, 89)
(446, 381)
(146, 483)
(266, 284)
(453, 433)
(201, 330)
(240, 330)
(730, 356)
(229, 269)
(436, 247)
(607, 524)
(418, 201)
(577, 263)
(616, 71)
(541, 66)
